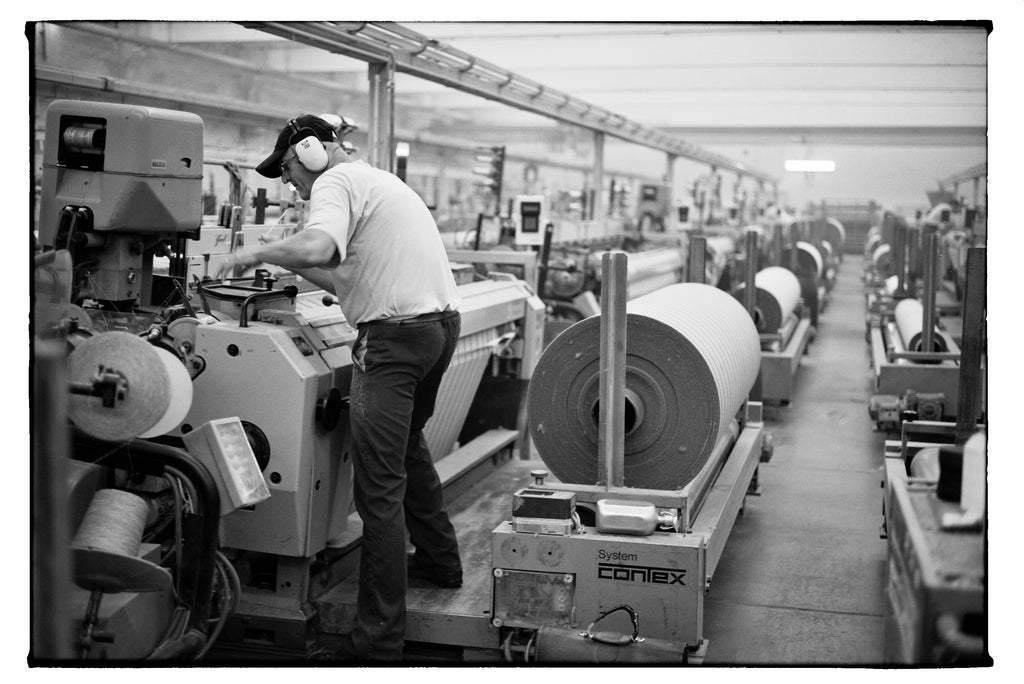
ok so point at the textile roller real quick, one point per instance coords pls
(915, 377)
(783, 332)
(813, 274)
(872, 240)
(882, 261)
(909, 315)
(637, 413)
(778, 293)
(687, 375)
(809, 261)
(648, 270)
(835, 233)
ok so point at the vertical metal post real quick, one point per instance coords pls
(612, 415)
(750, 289)
(380, 135)
(696, 259)
(670, 175)
(794, 250)
(260, 203)
(973, 312)
(598, 203)
(928, 292)
(899, 248)
(545, 256)
(914, 255)
(51, 538)
(479, 229)
(778, 244)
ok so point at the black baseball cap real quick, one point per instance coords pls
(295, 130)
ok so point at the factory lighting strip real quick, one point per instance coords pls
(413, 53)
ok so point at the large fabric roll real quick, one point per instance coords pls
(809, 262)
(882, 260)
(909, 315)
(874, 238)
(647, 271)
(778, 292)
(692, 355)
(835, 233)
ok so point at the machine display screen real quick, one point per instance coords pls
(530, 213)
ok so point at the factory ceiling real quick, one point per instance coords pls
(911, 83)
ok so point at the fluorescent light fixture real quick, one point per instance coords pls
(811, 165)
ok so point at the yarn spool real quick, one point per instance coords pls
(159, 389)
(106, 547)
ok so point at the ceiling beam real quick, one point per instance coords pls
(416, 54)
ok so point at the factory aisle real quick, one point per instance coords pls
(803, 574)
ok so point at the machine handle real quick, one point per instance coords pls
(286, 292)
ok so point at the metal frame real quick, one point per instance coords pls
(416, 54)
(778, 368)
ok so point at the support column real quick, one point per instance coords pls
(670, 177)
(381, 133)
(599, 200)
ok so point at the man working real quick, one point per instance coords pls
(372, 242)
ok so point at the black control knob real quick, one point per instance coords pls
(329, 408)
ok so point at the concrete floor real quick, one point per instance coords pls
(802, 578)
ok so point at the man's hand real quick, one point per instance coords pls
(226, 268)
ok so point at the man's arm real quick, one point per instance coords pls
(318, 276)
(307, 249)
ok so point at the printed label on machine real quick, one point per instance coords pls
(640, 573)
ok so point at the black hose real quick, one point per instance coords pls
(963, 645)
(147, 457)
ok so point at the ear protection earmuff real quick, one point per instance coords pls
(309, 148)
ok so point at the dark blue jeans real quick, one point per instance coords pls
(396, 374)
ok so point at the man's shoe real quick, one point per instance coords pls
(419, 569)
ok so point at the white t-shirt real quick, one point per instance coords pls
(393, 262)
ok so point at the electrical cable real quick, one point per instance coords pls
(176, 549)
(526, 653)
(230, 600)
(191, 497)
(506, 647)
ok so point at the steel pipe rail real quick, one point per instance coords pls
(413, 53)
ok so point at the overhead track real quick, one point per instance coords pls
(976, 171)
(413, 53)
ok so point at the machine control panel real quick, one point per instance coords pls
(222, 446)
(528, 215)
